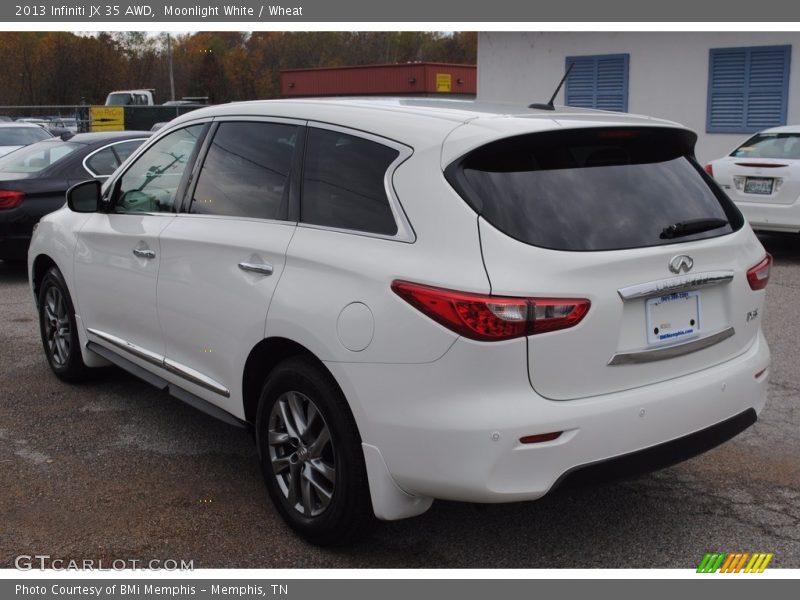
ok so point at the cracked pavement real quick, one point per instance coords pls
(115, 469)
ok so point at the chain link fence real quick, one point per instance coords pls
(68, 117)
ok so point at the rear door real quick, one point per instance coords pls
(626, 219)
(222, 258)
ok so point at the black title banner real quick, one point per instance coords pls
(408, 11)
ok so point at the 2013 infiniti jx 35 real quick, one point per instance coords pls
(415, 299)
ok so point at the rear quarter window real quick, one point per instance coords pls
(593, 189)
(343, 183)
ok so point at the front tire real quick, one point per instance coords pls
(58, 328)
(311, 455)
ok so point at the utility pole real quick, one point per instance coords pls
(171, 75)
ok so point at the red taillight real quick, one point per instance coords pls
(758, 276)
(709, 168)
(492, 318)
(11, 198)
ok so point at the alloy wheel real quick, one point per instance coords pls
(58, 332)
(301, 453)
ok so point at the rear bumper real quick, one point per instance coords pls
(764, 216)
(16, 229)
(451, 429)
(659, 456)
(13, 246)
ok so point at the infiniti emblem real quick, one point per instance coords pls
(681, 263)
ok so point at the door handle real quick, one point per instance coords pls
(263, 268)
(143, 253)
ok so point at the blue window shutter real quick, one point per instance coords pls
(598, 82)
(748, 88)
(581, 83)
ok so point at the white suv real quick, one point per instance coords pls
(417, 299)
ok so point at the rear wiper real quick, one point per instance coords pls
(682, 228)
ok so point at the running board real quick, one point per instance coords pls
(164, 385)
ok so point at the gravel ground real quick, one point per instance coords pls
(114, 469)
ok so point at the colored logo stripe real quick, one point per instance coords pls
(711, 562)
(758, 563)
(734, 563)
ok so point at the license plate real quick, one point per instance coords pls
(758, 185)
(673, 317)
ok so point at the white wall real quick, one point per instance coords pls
(668, 74)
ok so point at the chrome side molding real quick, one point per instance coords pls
(675, 284)
(195, 377)
(653, 354)
(137, 351)
(165, 363)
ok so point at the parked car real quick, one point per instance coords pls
(62, 125)
(417, 299)
(762, 176)
(17, 135)
(35, 179)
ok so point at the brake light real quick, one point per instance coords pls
(758, 276)
(761, 165)
(611, 134)
(492, 318)
(709, 168)
(10, 198)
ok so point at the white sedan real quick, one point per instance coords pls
(762, 176)
(16, 135)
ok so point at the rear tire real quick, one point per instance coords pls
(59, 330)
(311, 455)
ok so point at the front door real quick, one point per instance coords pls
(118, 252)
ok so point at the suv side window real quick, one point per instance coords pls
(246, 171)
(343, 183)
(151, 183)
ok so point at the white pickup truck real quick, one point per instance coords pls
(142, 97)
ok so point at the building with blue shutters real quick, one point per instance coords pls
(724, 85)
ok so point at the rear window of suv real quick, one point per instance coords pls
(595, 189)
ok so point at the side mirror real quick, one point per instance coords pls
(84, 197)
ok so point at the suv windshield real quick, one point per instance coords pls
(770, 145)
(595, 189)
